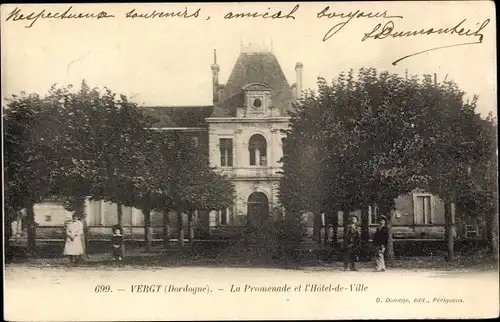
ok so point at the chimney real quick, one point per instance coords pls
(293, 88)
(298, 88)
(215, 79)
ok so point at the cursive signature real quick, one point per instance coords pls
(325, 13)
(388, 30)
(17, 15)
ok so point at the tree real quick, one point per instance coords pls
(355, 167)
(194, 185)
(29, 171)
(65, 144)
(477, 197)
(381, 136)
(456, 135)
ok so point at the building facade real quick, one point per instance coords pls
(245, 132)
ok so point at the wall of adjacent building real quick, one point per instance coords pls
(51, 214)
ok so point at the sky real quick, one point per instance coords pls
(166, 61)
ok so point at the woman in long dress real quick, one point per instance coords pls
(74, 240)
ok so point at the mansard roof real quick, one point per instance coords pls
(178, 116)
(254, 68)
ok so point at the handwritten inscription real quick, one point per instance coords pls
(161, 14)
(382, 30)
(325, 13)
(264, 15)
(387, 30)
(31, 18)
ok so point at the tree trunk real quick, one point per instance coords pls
(390, 242)
(345, 224)
(494, 236)
(119, 213)
(317, 226)
(148, 236)
(365, 234)
(30, 217)
(7, 234)
(328, 216)
(190, 226)
(166, 228)
(488, 218)
(204, 223)
(120, 224)
(335, 225)
(80, 212)
(449, 231)
(180, 226)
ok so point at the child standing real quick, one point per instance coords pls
(351, 243)
(117, 241)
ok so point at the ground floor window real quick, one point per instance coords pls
(422, 209)
(373, 214)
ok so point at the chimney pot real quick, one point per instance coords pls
(215, 79)
(298, 73)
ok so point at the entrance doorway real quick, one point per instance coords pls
(258, 208)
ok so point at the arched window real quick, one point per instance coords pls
(257, 147)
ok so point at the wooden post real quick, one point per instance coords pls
(180, 225)
(147, 229)
(166, 228)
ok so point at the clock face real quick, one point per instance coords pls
(257, 102)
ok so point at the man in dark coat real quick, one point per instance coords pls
(380, 242)
(352, 240)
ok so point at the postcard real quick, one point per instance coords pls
(248, 161)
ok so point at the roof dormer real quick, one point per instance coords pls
(256, 73)
(258, 99)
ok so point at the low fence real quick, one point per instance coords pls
(230, 232)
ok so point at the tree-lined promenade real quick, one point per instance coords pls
(360, 141)
(366, 139)
(75, 145)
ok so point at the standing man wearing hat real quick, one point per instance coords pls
(352, 241)
(380, 242)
